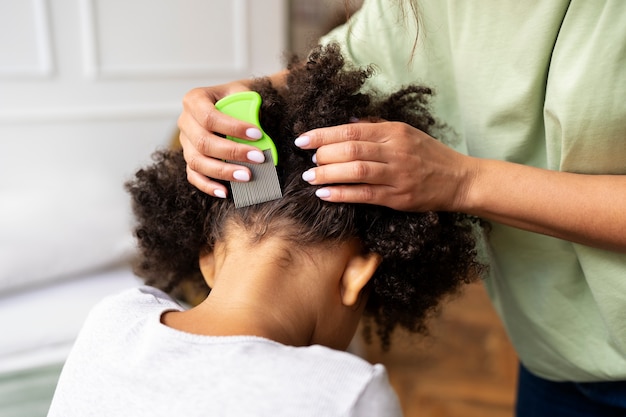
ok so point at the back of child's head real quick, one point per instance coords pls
(425, 256)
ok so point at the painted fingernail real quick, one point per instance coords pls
(323, 193)
(241, 175)
(354, 119)
(254, 133)
(308, 175)
(302, 141)
(256, 156)
(219, 193)
(314, 159)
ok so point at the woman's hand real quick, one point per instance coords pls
(390, 164)
(395, 165)
(204, 150)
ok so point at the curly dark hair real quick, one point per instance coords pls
(425, 256)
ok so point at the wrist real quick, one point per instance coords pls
(469, 192)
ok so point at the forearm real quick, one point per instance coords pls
(587, 209)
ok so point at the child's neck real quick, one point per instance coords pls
(263, 295)
(295, 297)
(259, 300)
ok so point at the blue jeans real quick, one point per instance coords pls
(537, 397)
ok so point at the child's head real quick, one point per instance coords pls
(423, 256)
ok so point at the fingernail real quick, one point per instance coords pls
(308, 175)
(256, 156)
(323, 193)
(302, 141)
(241, 175)
(354, 119)
(314, 159)
(254, 133)
(219, 193)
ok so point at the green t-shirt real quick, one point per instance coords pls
(541, 83)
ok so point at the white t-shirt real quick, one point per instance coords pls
(127, 363)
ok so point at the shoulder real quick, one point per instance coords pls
(359, 387)
(320, 362)
(366, 37)
(348, 366)
(138, 299)
(143, 294)
(114, 312)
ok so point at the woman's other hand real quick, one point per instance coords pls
(390, 164)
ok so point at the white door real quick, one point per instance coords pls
(88, 89)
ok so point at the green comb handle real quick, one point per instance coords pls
(245, 106)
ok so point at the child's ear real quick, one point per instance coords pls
(357, 274)
(207, 267)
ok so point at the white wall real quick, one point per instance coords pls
(88, 88)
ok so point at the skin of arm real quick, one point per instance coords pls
(586, 209)
(395, 165)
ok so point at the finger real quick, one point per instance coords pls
(342, 133)
(354, 172)
(199, 105)
(350, 151)
(358, 193)
(212, 167)
(195, 137)
(206, 185)
(380, 195)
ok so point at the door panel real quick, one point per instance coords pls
(88, 88)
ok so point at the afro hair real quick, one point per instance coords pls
(425, 256)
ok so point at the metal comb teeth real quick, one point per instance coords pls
(264, 185)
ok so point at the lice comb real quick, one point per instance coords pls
(264, 185)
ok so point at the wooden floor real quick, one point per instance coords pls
(465, 368)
